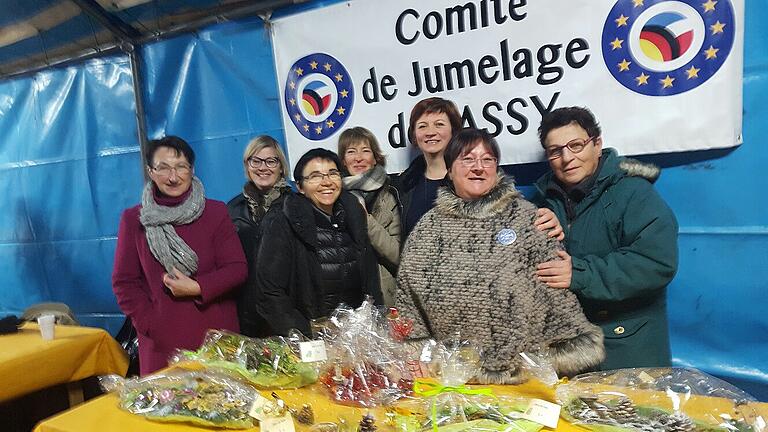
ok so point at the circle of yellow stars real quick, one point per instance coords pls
(313, 65)
(666, 82)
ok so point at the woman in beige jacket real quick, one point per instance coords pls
(366, 177)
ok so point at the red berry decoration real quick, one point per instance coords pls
(363, 385)
(399, 328)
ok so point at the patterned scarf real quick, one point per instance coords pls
(365, 185)
(158, 220)
(259, 202)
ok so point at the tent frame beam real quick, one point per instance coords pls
(218, 14)
(122, 31)
(130, 39)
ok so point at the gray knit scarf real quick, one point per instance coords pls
(364, 184)
(158, 221)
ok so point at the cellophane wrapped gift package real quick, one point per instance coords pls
(659, 400)
(366, 363)
(443, 402)
(179, 396)
(270, 363)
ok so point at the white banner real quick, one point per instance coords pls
(660, 75)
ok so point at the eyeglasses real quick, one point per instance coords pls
(469, 162)
(575, 146)
(255, 162)
(165, 170)
(317, 177)
(354, 152)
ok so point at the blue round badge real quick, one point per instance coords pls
(506, 236)
(318, 96)
(667, 47)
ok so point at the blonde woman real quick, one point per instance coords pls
(265, 169)
(363, 165)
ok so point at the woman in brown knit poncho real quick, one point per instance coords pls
(469, 267)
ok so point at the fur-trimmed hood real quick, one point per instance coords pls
(613, 168)
(613, 165)
(636, 168)
(490, 205)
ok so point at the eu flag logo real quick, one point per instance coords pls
(318, 96)
(667, 47)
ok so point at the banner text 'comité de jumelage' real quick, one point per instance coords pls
(546, 64)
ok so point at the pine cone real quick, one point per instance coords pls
(367, 424)
(601, 410)
(624, 411)
(594, 408)
(679, 422)
(586, 415)
(476, 415)
(306, 415)
(644, 427)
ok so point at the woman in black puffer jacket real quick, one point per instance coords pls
(315, 253)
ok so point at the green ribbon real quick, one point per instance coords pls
(431, 389)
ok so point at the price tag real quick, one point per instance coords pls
(426, 356)
(426, 352)
(313, 351)
(760, 423)
(542, 412)
(277, 424)
(262, 408)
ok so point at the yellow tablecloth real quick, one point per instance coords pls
(28, 363)
(103, 414)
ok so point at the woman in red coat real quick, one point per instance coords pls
(178, 258)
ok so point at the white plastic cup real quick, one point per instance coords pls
(47, 328)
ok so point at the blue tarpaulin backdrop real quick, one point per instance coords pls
(70, 162)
